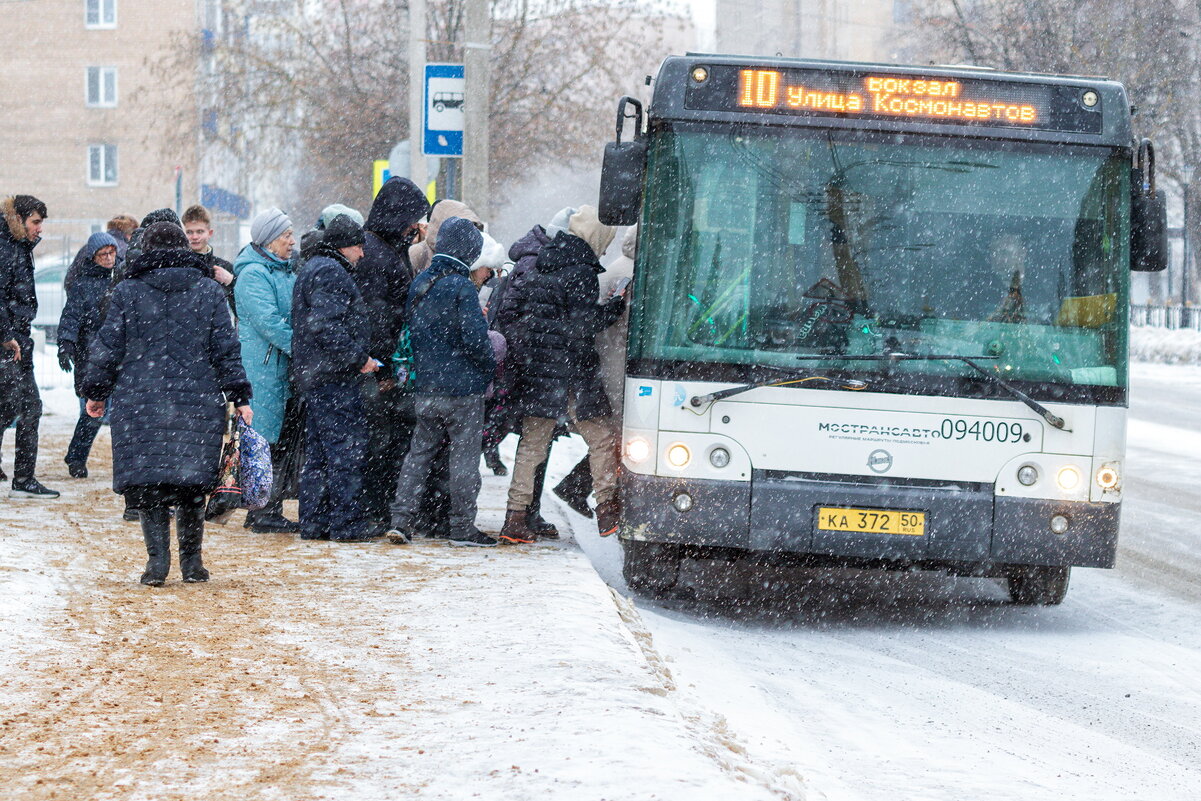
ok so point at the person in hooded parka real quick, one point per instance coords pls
(86, 282)
(395, 222)
(163, 365)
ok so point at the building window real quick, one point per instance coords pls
(102, 165)
(100, 13)
(102, 87)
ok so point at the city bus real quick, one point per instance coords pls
(878, 317)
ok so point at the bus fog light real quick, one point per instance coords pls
(1107, 477)
(700, 75)
(1027, 475)
(682, 502)
(1068, 478)
(679, 456)
(638, 450)
(1059, 524)
(719, 457)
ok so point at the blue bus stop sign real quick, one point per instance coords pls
(445, 91)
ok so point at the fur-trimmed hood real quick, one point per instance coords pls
(16, 227)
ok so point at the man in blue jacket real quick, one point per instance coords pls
(454, 364)
(330, 341)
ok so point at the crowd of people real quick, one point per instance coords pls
(379, 356)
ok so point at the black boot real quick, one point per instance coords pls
(270, 520)
(189, 528)
(575, 488)
(492, 460)
(156, 530)
(540, 526)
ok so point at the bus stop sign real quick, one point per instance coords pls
(445, 87)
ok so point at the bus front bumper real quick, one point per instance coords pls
(773, 514)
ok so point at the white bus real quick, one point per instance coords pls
(879, 317)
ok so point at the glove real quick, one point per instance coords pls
(66, 355)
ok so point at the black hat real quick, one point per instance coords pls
(164, 235)
(343, 232)
(458, 237)
(161, 215)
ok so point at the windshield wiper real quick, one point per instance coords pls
(852, 384)
(1052, 419)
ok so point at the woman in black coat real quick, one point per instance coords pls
(86, 283)
(168, 358)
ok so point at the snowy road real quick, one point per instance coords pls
(922, 687)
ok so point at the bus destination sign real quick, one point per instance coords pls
(965, 101)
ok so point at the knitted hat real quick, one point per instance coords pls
(587, 226)
(161, 215)
(330, 212)
(97, 242)
(459, 238)
(343, 232)
(269, 226)
(163, 236)
(559, 222)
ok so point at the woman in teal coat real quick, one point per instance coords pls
(263, 294)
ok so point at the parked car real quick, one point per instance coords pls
(48, 284)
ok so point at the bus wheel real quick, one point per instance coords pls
(650, 568)
(438, 107)
(1037, 585)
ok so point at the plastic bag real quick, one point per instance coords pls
(254, 472)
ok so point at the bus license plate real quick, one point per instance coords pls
(871, 521)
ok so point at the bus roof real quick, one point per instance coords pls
(950, 100)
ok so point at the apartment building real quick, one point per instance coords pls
(845, 30)
(79, 124)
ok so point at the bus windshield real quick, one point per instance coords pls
(761, 245)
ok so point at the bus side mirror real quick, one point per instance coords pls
(623, 171)
(1148, 216)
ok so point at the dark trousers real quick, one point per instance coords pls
(456, 423)
(390, 425)
(86, 428)
(335, 444)
(26, 405)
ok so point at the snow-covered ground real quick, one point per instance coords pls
(923, 687)
(311, 670)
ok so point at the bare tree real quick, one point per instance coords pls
(1150, 48)
(318, 92)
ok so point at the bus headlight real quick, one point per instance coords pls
(638, 450)
(1107, 477)
(719, 457)
(678, 456)
(1027, 475)
(1068, 478)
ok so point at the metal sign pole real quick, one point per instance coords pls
(416, 91)
(477, 50)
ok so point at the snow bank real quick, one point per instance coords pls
(1165, 345)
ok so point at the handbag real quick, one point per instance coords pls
(254, 468)
(227, 496)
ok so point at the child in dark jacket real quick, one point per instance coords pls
(86, 283)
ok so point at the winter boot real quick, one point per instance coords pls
(270, 520)
(575, 487)
(608, 517)
(515, 529)
(541, 527)
(492, 460)
(189, 528)
(156, 530)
